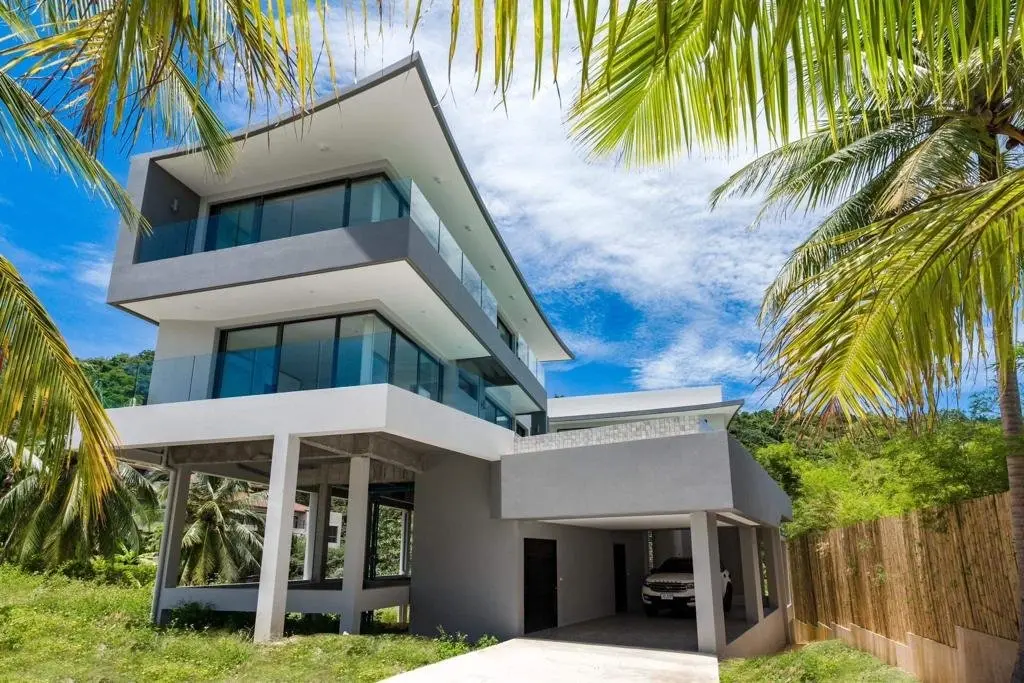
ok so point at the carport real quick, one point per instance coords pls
(697, 495)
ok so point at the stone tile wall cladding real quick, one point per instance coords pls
(616, 433)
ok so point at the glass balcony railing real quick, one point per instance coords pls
(360, 359)
(347, 204)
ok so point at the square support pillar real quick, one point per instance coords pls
(403, 558)
(707, 580)
(750, 559)
(168, 566)
(355, 543)
(311, 537)
(277, 539)
(775, 563)
(323, 518)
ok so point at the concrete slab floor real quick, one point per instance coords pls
(553, 661)
(666, 632)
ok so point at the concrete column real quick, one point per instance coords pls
(320, 524)
(785, 579)
(355, 543)
(750, 560)
(775, 564)
(277, 539)
(707, 579)
(403, 559)
(311, 539)
(169, 558)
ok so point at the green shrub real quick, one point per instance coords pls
(115, 571)
(197, 616)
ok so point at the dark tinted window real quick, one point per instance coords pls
(506, 334)
(677, 565)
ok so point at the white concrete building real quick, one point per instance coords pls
(339, 315)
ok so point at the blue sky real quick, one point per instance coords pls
(649, 288)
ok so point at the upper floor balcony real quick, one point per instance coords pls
(337, 205)
(331, 352)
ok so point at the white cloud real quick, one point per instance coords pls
(91, 265)
(694, 357)
(574, 225)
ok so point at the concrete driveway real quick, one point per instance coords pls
(542, 660)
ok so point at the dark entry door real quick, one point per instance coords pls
(540, 584)
(621, 592)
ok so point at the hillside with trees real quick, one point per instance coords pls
(844, 474)
(119, 380)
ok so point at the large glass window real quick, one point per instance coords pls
(231, 225)
(248, 361)
(373, 200)
(354, 350)
(307, 352)
(506, 334)
(430, 377)
(303, 211)
(407, 364)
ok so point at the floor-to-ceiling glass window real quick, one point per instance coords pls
(230, 225)
(247, 363)
(353, 350)
(307, 355)
(304, 210)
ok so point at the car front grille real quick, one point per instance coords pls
(670, 586)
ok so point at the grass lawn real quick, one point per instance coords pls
(826, 662)
(53, 628)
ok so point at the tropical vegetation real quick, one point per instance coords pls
(73, 75)
(41, 523)
(55, 628)
(824, 661)
(223, 531)
(869, 469)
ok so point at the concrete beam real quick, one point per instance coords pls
(220, 453)
(750, 561)
(707, 579)
(277, 540)
(369, 445)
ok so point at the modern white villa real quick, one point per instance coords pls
(341, 316)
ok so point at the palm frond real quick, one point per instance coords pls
(896, 321)
(44, 394)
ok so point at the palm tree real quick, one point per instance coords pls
(885, 306)
(70, 74)
(223, 531)
(40, 525)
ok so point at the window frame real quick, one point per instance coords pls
(222, 336)
(258, 200)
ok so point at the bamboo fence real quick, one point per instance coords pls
(924, 573)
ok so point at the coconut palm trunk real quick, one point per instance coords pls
(1010, 416)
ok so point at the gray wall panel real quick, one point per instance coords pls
(646, 477)
(467, 566)
(755, 493)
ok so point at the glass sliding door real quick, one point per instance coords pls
(247, 363)
(372, 200)
(406, 364)
(307, 355)
(364, 351)
(318, 210)
(231, 225)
